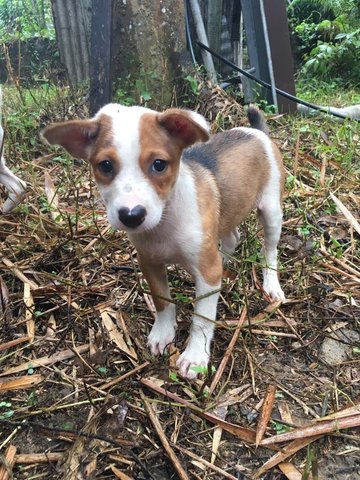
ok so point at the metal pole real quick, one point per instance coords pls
(268, 52)
(202, 36)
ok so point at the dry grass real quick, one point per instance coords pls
(81, 397)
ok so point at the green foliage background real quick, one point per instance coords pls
(327, 39)
(24, 19)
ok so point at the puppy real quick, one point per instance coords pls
(15, 187)
(178, 199)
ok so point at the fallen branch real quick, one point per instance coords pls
(8, 463)
(265, 413)
(318, 428)
(30, 458)
(48, 360)
(165, 443)
(207, 464)
(246, 434)
(228, 352)
(285, 453)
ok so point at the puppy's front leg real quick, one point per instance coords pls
(163, 330)
(208, 284)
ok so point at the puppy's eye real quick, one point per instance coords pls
(159, 165)
(106, 167)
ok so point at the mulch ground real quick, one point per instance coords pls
(82, 398)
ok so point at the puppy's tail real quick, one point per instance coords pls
(256, 119)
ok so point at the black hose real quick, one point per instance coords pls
(267, 85)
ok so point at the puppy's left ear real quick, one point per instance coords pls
(186, 126)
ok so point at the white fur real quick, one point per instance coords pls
(130, 187)
(199, 119)
(178, 239)
(270, 216)
(163, 331)
(14, 186)
(197, 352)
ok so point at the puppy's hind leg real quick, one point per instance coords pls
(270, 216)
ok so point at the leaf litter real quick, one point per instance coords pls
(81, 396)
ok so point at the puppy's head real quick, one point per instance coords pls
(135, 155)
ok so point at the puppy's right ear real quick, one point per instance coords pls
(76, 136)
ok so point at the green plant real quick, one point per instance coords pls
(134, 91)
(24, 19)
(203, 370)
(280, 427)
(326, 36)
(5, 410)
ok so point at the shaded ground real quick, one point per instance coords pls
(72, 296)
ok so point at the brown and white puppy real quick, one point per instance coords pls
(178, 201)
(14, 186)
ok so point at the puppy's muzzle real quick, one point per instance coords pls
(132, 218)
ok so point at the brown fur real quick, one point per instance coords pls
(156, 277)
(242, 174)
(156, 144)
(210, 263)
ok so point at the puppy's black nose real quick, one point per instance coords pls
(134, 217)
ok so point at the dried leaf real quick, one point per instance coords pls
(215, 443)
(165, 443)
(120, 474)
(347, 214)
(51, 196)
(345, 412)
(115, 335)
(9, 457)
(29, 312)
(285, 453)
(4, 299)
(265, 413)
(246, 434)
(290, 471)
(18, 383)
(18, 273)
(13, 343)
(41, 362)
(284, 411)
(229, 350)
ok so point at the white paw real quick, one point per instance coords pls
(192, 361)
(272, 288)
(160, 337)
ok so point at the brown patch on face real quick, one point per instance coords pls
(100, 165)
(155, 143)
(103, 151)
(81, 138)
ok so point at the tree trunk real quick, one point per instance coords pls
(149, 45)
(72, 25)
